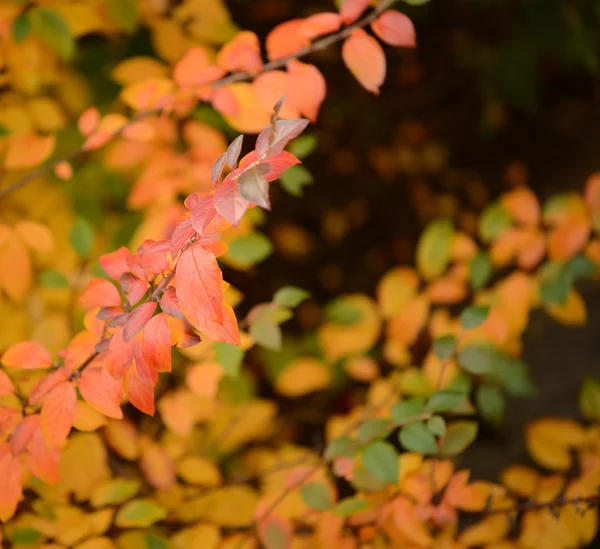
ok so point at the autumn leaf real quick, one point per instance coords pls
(306, 88)
(100, 293)
(58, 413)
(10, 483)
(286, 38)
(27, 355)
(101, 391)
(28, 150)
(365, 59)
(395, 29)
(351, 10)
(241, 54)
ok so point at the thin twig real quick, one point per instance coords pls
(318, 45)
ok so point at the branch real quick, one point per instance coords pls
(230, 79)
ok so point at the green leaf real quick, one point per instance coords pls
(513, 375)
(153, 542)
(477, 359)
(494, 221)
(341, 447)
(474, 316)
(380, 459)
(140, 513)
(416, 437)
(124, 13)
(317, 496)
(290, 296)
(589, 399)
(294, 179)
(444, 401)
(490, 403)
(437, 426)
(25, 536)
(82, 237)
(303, 145)
(340, 311)
(459, 436)
(581, 266)
(374, 428)
(114, 492)
(53, 30)
(4, 131)
(230, 357)
(350, 506)
(444, 346)
(21, 27)
(433, 248)
(555, 284)
(462, 382)
(249, 249)
(266, 332)
(481, 269)
(53, 279)
(407, 410)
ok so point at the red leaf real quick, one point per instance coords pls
(133, 287)
(101, 293)
(47, 384)
(102, 392)
(156, 343)
(321, 23)
(115, 263)
(229, 202)
(204, 213)
(10, 482)
(137, 319)
(41, 460)
(306, 88)
(395, 29)
(351, 10)
(27, 355)
(23, 433)
(277, 164)
(286, 38)
(200, 292)
(58, 413)
(285, 131)
(6, 384)
(170, 304)
(139, 391)
(365, 59)
(181, 236)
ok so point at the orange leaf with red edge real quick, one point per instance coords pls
(137, 319)
(47, 384)
(156, 343)
(568, 238)
(101, 391)
(10, 482)
(139, 391)
(100, 293)
(306, 88)
(23, 433)
(321, 23)
(523, 206)
(115, 263)
(365, 59)
(286, 38)
(28, 150)
(88, 121)
(241, 54)
(351, 10)
(6, 384)
(395, 29)
(58, 413)
(27, 355)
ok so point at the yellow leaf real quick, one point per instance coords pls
(83, 465)
(86, 418)
(123, 438)
(148, 93)
(27, 151)
(72, 525)
(433, 249)
(302, 376)
(157, 466)
(97, 543)
(550, 440)
(395, 289)
(362, 368)
(251, 116)
(114, 491)
(101, 520)
(47, 114)
(199, 471)
(35, 235)
(205, 536)
(139, 513)
(571, 313)
(230, 506)
(134, 69)
(521, 480)
(488, 530)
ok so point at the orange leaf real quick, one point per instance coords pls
(156, 343)
(23, 433)
(194, 69)
(447, 290)
(27, 355)
(41, 460)
(58, 412)
(10, 483)
(63, 170)
(365, 59)
(406, 325)
(306, 88)
(203, 379)
(139, 391)
(36, 236)
(100, 293)
(395, 29)
(269, 87)
(321, 23)
(408, 524)
(101, 391)
(6, 384)
(523, 206)
(351, 10)
(157, 466)
(151, 93)
(241, 54)
(549, 441)
(15, 268)
(286, 38)
(46, 384)
(88, 121)
(26, 151)
(568, 238)
(572, 312)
